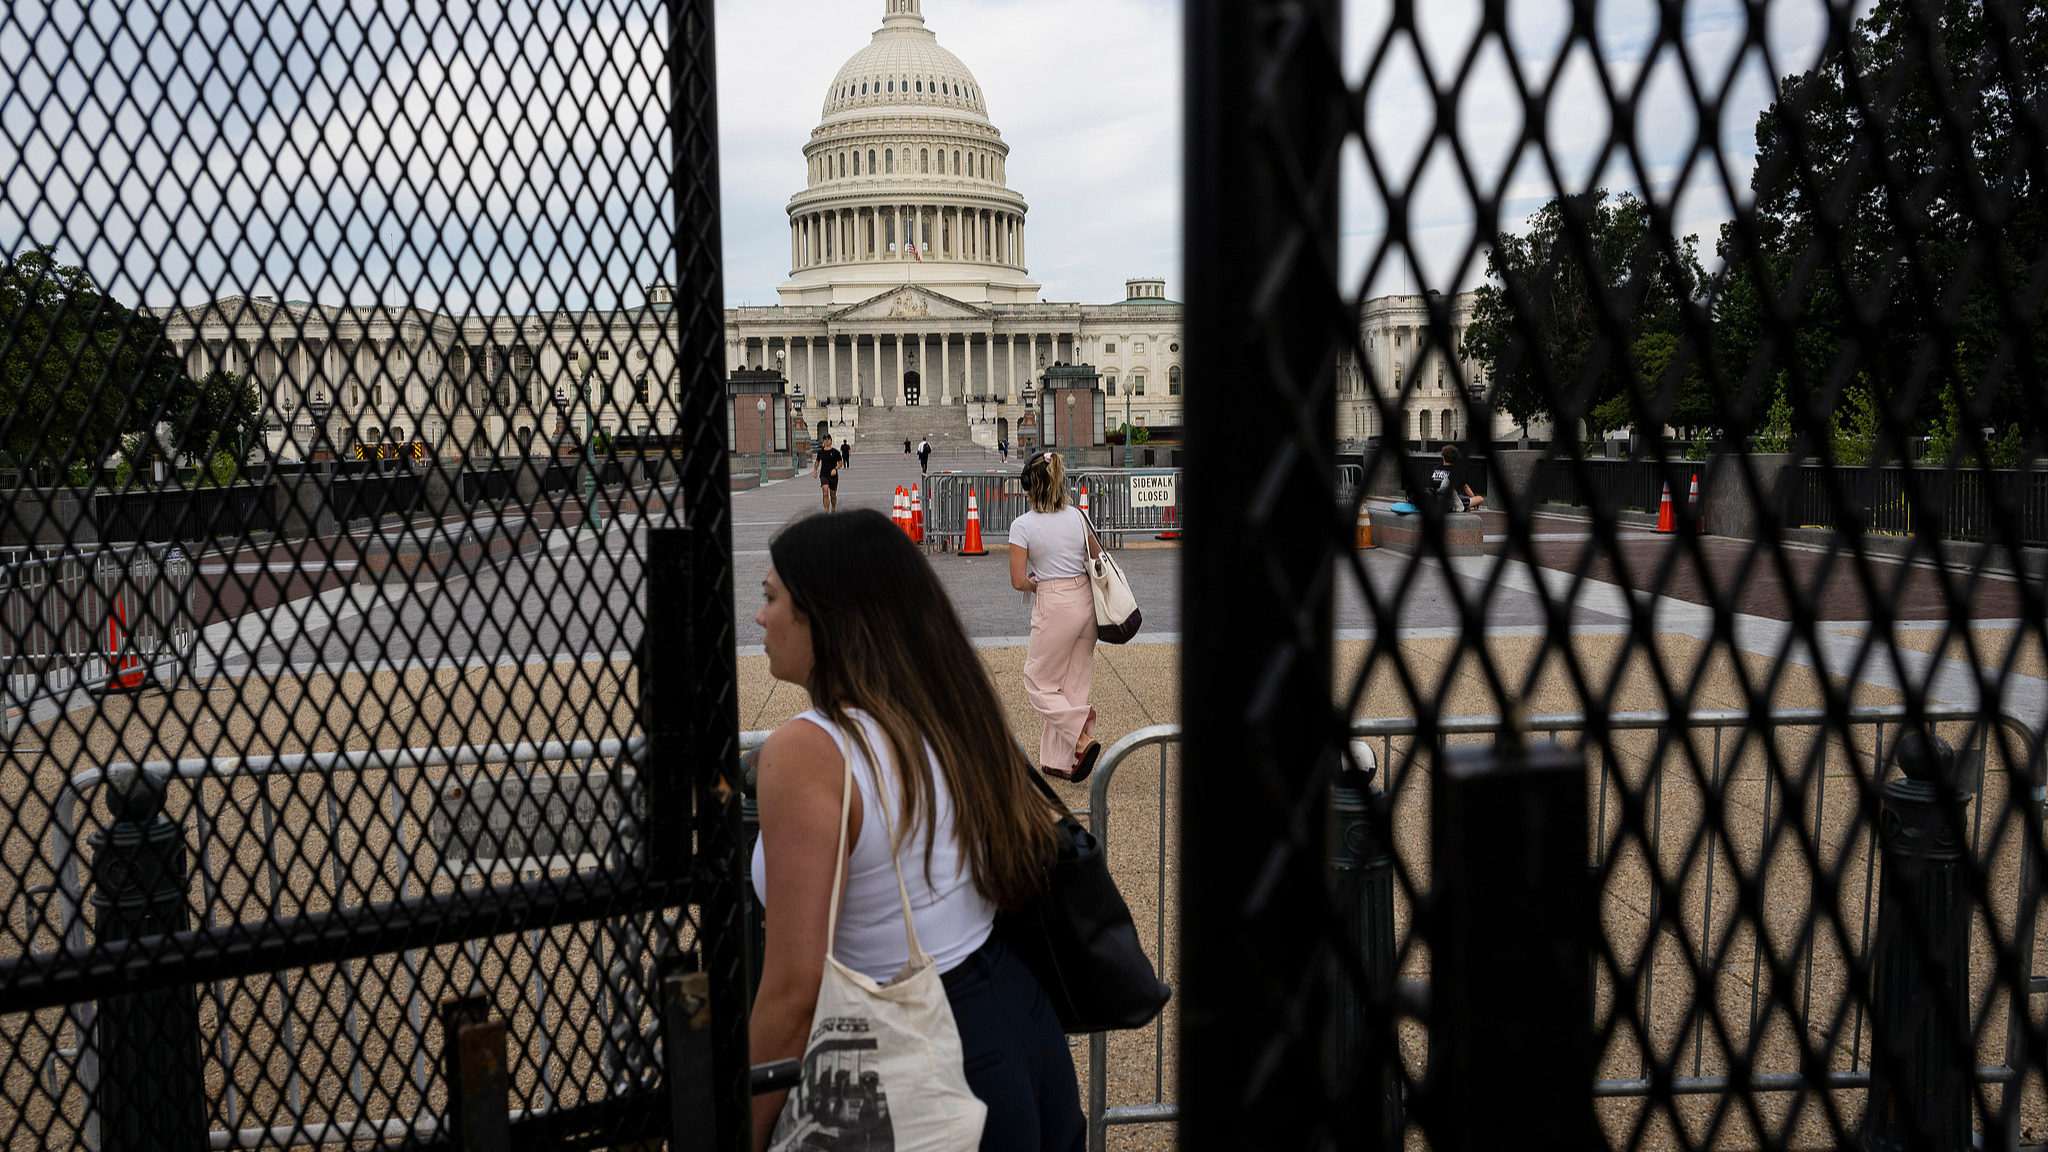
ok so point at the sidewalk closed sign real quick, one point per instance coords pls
(1152, 491)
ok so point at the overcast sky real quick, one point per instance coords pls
(1087, 93)
(504, 155)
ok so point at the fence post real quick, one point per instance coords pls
(1362, 883)
(1919, 1001)
(473, 1059)
(1511, 910)
(152, 1093)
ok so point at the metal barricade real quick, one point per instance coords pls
(1130, 502)
(455, 816)
(1663, 779)
(84, 619)
(999, 497)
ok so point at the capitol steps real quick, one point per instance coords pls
(885, 429)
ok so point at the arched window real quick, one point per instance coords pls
(856, 163)
(1173, 381)
(956, 161)
(1109, 382)
(863, 87)
(889, 158)
(1447, 424)
(924, 160)
(1425, 426)
(842, 164)
(871, 161)
(892, 85)
(1138, 384)
(920, 86)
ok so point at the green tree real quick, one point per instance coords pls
(1548, 341)
(78, 370)
(1899, 214)
(221, 413)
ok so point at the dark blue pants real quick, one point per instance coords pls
(1017, 1058)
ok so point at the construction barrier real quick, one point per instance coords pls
(103, 618)
(1136, 503)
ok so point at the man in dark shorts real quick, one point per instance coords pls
(826, 469)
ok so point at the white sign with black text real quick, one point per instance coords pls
(1154, 491)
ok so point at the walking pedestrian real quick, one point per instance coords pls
(1049, 550)
(846, 451)
(826, 469)
(901, 706)
(1003, 450)
(906, 446)
(924, 457)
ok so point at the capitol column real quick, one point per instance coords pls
(902, 343)
(831, 364)
(945, 367)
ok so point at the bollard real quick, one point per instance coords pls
(1361, 876)
(477, 1118)
(152, 1091)
(1511, 915)
(1920, 993)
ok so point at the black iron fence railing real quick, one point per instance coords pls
(1955, 504)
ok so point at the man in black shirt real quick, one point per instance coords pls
(826, 469)
(924, 457)
(1447, 482)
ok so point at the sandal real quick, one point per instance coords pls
(1083, 767)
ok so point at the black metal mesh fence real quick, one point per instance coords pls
(366, 609)
(1808, 925)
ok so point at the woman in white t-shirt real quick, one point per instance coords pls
(1049, 550)
(854, 615)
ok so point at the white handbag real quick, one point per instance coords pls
(1117, 618)
(883, 1070)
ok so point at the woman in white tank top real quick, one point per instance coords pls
(853, 614)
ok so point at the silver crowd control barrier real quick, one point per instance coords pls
(1126, 504)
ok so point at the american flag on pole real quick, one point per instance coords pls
(914, 255)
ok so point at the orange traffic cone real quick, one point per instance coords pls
(916, 516)
(899, 515)
(1665, 521)
(1364, 525)
(1084, 500)
(1699, 513)
(127, 669)
(973, 547)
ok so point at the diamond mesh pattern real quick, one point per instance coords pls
(361, 372)
(1740, 686)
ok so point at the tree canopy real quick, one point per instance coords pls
(78, 370)
(1899, 212)
(1891, 259)
(1588, 277)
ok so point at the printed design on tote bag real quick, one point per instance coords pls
(841, 1105)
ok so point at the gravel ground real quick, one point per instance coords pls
(1134, 687)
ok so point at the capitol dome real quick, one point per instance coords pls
(904, 67)
(906, 168)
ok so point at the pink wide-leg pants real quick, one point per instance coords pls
(1059, 663)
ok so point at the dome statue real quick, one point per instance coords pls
(906, 181)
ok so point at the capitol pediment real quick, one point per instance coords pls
(908, 302)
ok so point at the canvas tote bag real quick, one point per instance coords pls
(1117, 618)
(883, 1069)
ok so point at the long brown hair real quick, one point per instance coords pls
(1045, 482)
(885, 639)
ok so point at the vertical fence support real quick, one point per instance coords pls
(152, 1095)
(686, 1049)
(1362, 883)
(473, 1060)
(1266, 110)
(1920, 994)
(1511, 913)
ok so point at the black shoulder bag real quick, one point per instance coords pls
(1078, 939)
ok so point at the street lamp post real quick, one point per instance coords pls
(1070, 420)
(761, 407)
(1127, 427)
(1029, 398)
(796, 406)
(588, 365)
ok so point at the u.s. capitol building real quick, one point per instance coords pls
(909, 311)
